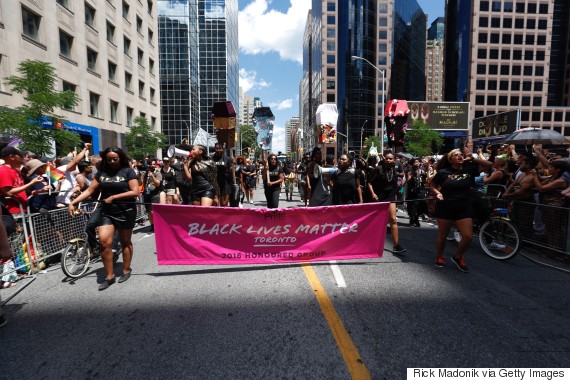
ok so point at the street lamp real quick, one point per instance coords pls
(189, 133)
(383, 72)
(361, 133)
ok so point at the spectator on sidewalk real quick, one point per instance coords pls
(5, 254)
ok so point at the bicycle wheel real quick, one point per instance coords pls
(499, 238)
(75, 258)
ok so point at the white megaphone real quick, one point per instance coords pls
(174, 151)
(319, 170)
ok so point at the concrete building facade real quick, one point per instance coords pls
(105, 51)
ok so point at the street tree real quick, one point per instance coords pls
(369, 142)
(142, 141)
(421, 139)
(248, 138)
(37, 83)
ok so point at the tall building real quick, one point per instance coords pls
(504, 55)
(199, 58)
(306, 116)
(290, 128)
(434, 71)
(437, 29)
(104, 51)
(247, 104)
(388, 34)
(179, 80)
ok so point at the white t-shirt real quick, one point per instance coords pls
(67, 185)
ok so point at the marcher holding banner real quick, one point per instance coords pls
(273, 177)
(203, 174)
(119, 187)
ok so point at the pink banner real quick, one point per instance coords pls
(194, 235)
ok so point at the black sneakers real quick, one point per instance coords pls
(461, 265)
(398, 249)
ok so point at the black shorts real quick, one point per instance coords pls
(205, 194)
(454, 210)
(149, 199)
(122, 221)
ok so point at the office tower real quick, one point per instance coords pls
(103, 50)
(200, 59)
(437, 29)
(505, 55)
(389, 39)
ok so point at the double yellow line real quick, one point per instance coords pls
(347, 348)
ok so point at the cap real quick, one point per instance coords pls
(33, 165)
(11, 150)
(165, 159)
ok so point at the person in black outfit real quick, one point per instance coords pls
(119, 188)
(452, 185)
(382, 186)
(346, 184)
(225, 168)
(249, 173)
(168, 188)
(203, 173)
(416, 180)
(273, 177)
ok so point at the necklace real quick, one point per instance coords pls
(390, 175)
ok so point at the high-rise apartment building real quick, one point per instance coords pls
(391, 35)
(199, 56)
(290, 128)
(103, 50)
(505, 55)
(247, 104)
(437, 29)
(434, 71)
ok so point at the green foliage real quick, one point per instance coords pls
(368, 143)
(248, 138)
(141, 140)
(421, 139)
(37, 84)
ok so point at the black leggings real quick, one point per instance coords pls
(272, 197)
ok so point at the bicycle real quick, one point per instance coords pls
(78, 254)
(498, 236)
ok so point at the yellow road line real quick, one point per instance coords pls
(347, 348)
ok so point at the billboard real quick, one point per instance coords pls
(497, 125)
(449, 116)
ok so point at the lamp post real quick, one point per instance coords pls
(383, 72)
(346, 137)
(361, 133)
(189, 133)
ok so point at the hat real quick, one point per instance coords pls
(65, 160)
(11, 150)
(33, 165)
(165, 159)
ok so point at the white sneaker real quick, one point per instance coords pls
(457, 236)
(496, 245)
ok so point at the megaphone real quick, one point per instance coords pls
(319, 171)
(174, 151)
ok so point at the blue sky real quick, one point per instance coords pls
(271, 53)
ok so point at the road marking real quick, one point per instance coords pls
(145, 236)
(339, 278)
(347, 348)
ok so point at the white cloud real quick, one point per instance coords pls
(282, 105)
(278, 141)
(263, 31)
(248, 81)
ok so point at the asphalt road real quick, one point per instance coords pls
(264, 321)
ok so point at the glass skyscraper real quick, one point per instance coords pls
(198, 44)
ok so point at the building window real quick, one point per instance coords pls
(110, 32)
(538, 86)
(330, 46)
(330, 59)
(331, 20)
(543, 9)
(542, 24)
(496, 22)
(495, 38)
(480, 85)
(508, 6)
(128, 80)
(141, 89)
(507, 23)
(494, 53)
(152, 95)
(127, 46)
(139, 25)
(531, 8)
(91, 60)
(529, 39)
(539, 71)
(541, 40)
(112, 71)
(503, 100)
(149, 6)
(517, 55)
(93, 104)
(382, 21)
(114, 111)
(382, 48)
(150, 36)
(383, 35)
(525, 101)
(383, 8)
(331, 85)
(515, 86)
(519, 23)
(528, 55)
(519, 7)
(492, 85)
(527, 85)
(331, 7)
(129, 117)
(505, 69)
(496, 6)
(493, 69)
(479, 100)
(482, 38)
(31, 24)
(89, 15)
(481, 69)
(505, 54)
(331, 98)
(331, 72)
(530, 24)
(151, 66)
(484, 6)
(516, 70)
(527, 70)
(330, 33)
(504, 85)
(65, 44)
(514, 101)
(63, 3)
(126, 8)
(483, 22)
(66, 86)
(140, 57)
(540, 55)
